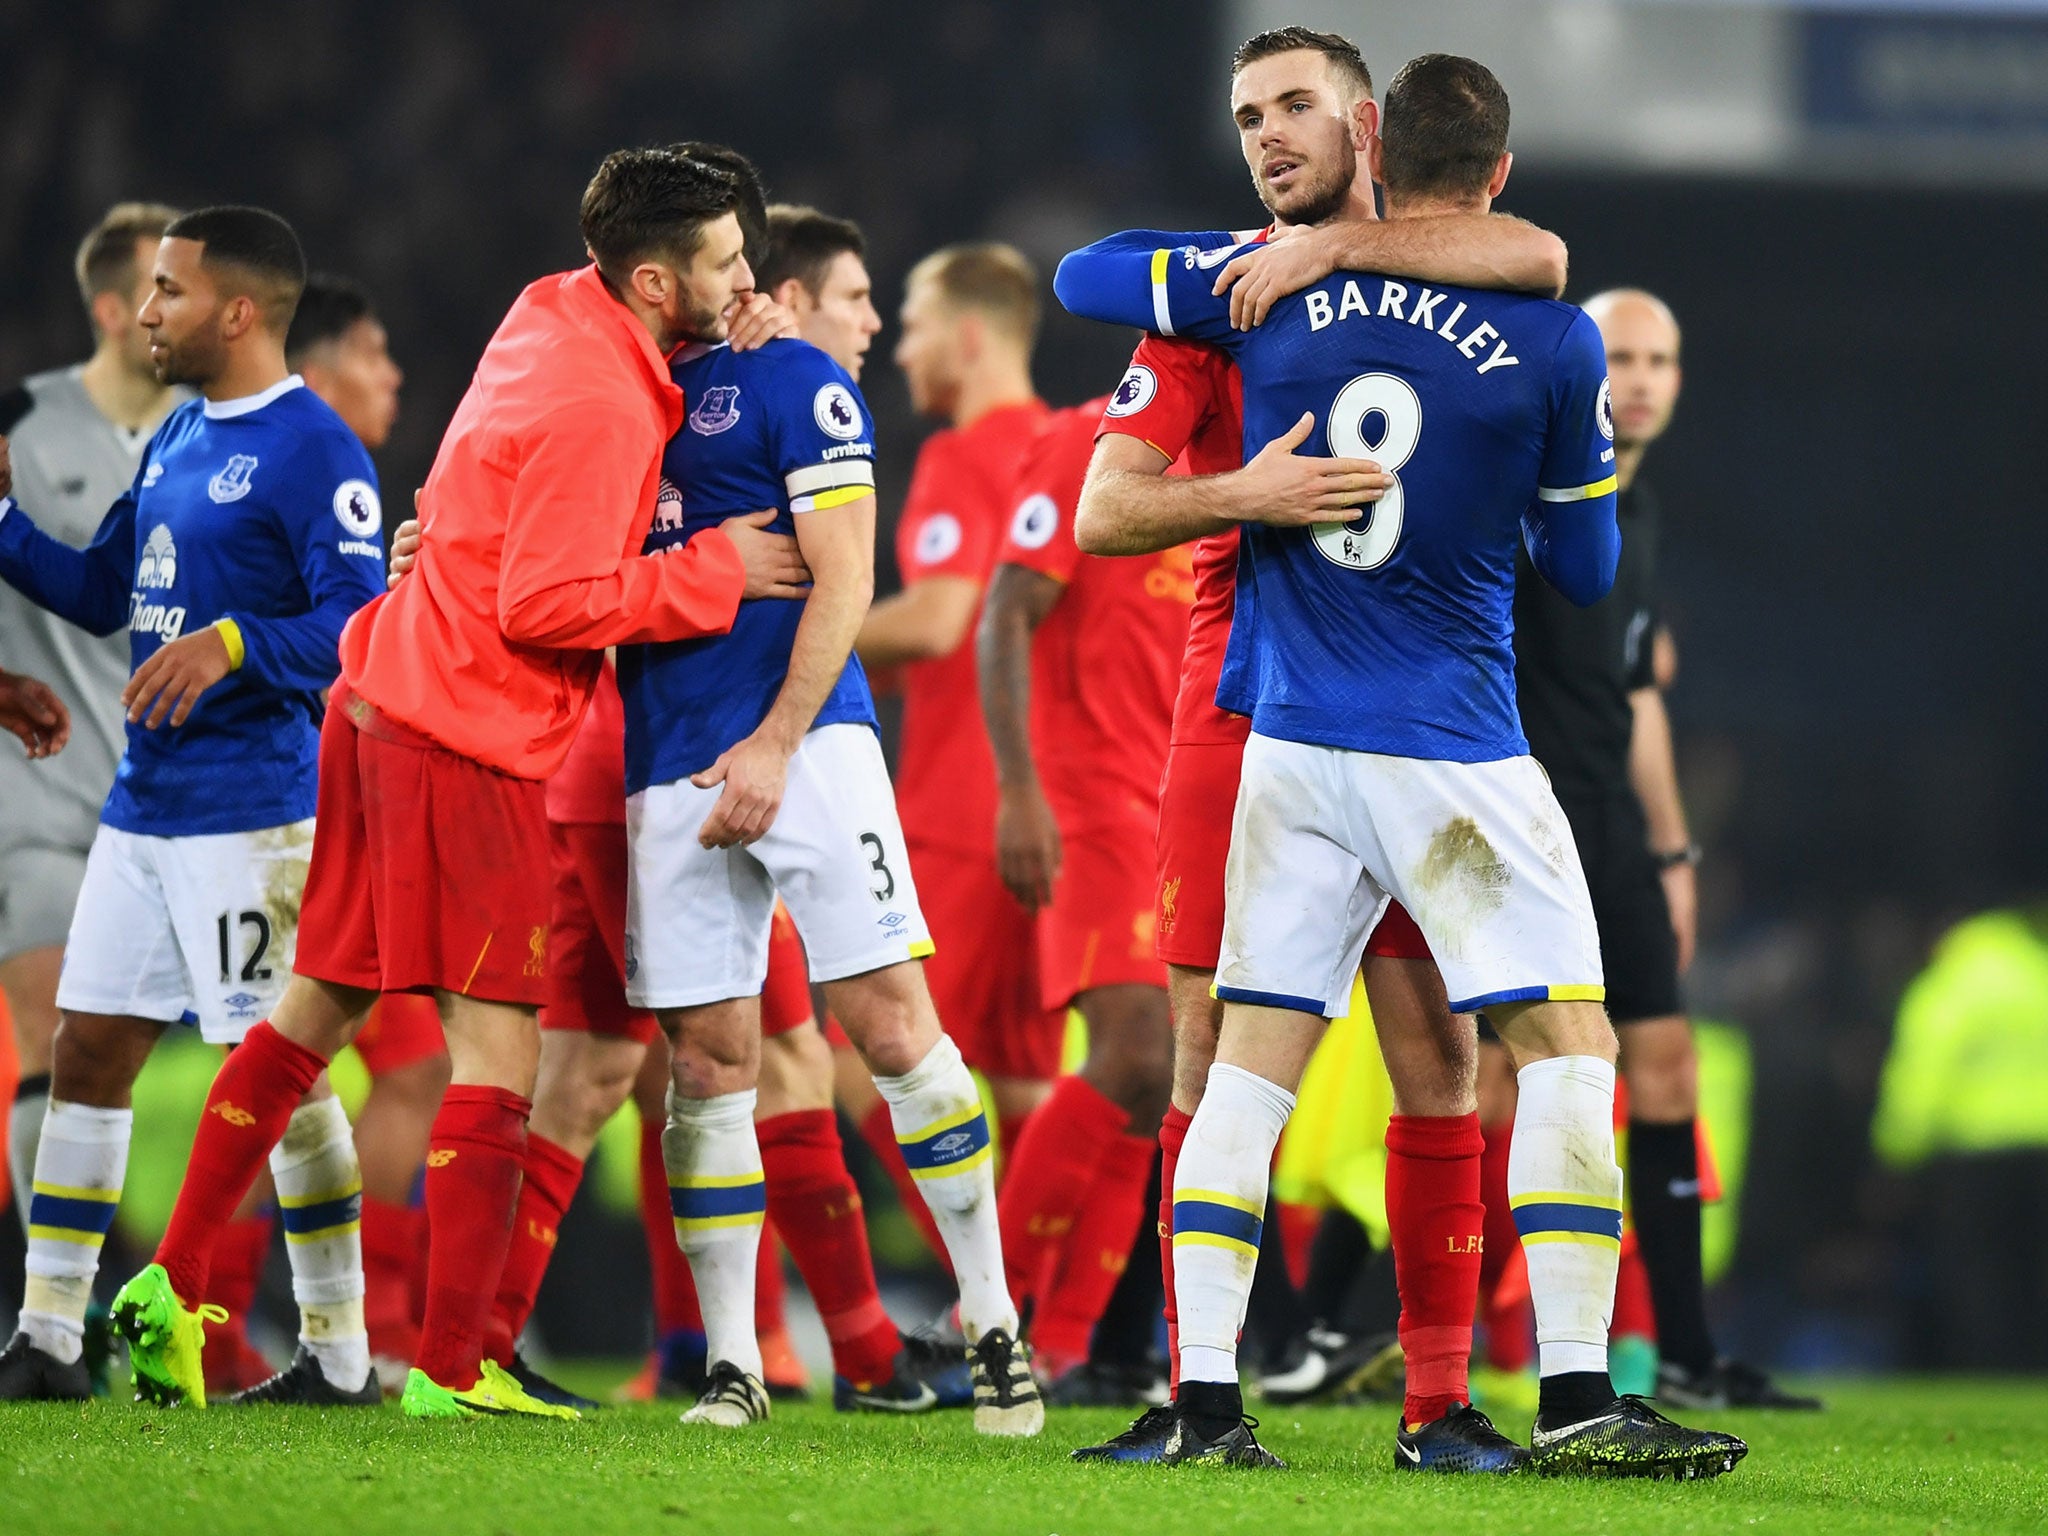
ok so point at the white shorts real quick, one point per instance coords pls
(1479, 853)
(697, 918)
(182, 928)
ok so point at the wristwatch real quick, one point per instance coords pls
(1689, 854)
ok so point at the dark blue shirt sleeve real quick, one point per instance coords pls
(1152, 280)
(821, 436)
(1571, 533)
(335, 524)
(88, 587)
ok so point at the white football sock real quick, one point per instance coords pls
(80, 1162)
(720, 1200)
(1564, 1188)
(944, 1136)
(320, 1195)
(1219, 1206)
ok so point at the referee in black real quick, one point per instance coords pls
(1591, 707)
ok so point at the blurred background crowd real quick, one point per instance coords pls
(1846, 207)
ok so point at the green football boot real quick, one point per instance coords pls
(495, 1392)
(165, 1338)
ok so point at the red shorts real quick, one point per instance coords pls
(587, 944)
(1100, 930)
(587, 935)
(1197, 800)
(983, 972)
(403, 1028)
(430, 871)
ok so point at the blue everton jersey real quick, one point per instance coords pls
(781, 427)
(263, 511)
(1392, 633)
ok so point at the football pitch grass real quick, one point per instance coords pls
(1893, 1456)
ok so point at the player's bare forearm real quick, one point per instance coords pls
(1474, 250)
(1653, 772)
(926, 620)
(1130, 506)
(838, 545)
(1018, 601)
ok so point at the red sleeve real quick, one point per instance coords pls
(945, 529)
(1167, 394)
(1040, 533)
(577, 490)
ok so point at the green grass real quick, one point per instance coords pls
(1904, 1456)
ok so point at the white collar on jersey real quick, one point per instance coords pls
(222, 410)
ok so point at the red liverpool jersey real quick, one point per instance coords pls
(1106, 660)
(1186, 400)
(952, 525)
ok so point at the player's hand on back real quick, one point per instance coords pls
(775, 566)
(6, 470)
(405, 546)
(1027, 844)
(754, 773)
(31, 711)
(1285, 489)
(1287, 263)
(756, 321)
(171, 681)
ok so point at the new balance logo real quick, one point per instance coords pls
(440, 1157)
(234, 1114)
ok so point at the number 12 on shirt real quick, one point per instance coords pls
(1386, 404)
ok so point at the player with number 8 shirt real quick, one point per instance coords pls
(1304, 107)
(1387, 759)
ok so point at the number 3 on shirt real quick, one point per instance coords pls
(1368, 542)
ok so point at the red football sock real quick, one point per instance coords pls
(1436, 1221)
(1009, 1130)
(1508, 1346)
(473, 1163)
(814, 1205)
(551, 1177)
(675, 1293)
(1059, 1157)
(1634, 1313)
(391, 1235)
(247, 1108)
(879, 1132)
(1094, 1255)
(238, 1257)
(1173, 1130)
(770, 1289)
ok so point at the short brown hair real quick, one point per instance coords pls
(1345, 60)
(995, 279)
(653, 203)
(106, 256)
(802, 244)
(1443, 128)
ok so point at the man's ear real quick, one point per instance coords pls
(1500, 174)
(1372, 158)
(791, 294)
(1365, 122)
(111, 314)
(652, 284)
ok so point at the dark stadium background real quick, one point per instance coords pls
(1853, 485)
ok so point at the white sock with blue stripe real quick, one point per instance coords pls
(719, 1200)
(1564, 1188)
(1219, 1204)
(80, 1162)
(944, 1136)
(320, 1197)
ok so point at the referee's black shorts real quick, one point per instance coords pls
(1638, 951)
